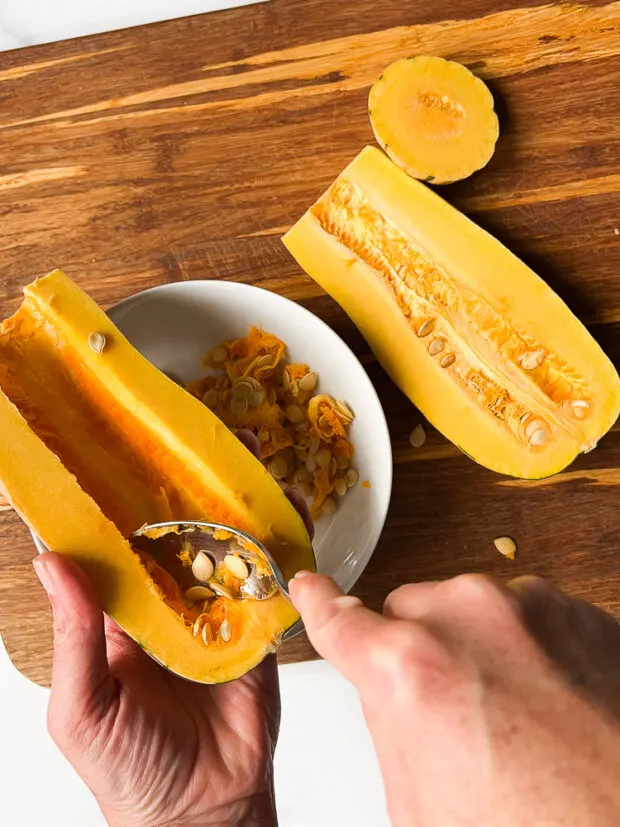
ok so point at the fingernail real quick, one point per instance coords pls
(44, 574)
(303, 573)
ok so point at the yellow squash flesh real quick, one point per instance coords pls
(485, 349)
(96, 444)
(434, 118)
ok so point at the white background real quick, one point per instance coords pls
(326, 772)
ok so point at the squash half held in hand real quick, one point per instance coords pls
(96, 442)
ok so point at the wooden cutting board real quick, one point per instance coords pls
(184, 150)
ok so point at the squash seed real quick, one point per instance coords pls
(293, 388)
(302, 474)
(200, 620)
(311, 463)
(286, 379)
(577, 407)
(340, 487)
(195, 593)
(315, 443)
(425, 328)
(219, 355)
(532, 360)
(417, 437)
(237, 567)
(294, 414)
(238, 406)
(539, 437)
(351, 477)
(333, 467)
(329, 506)
(221, 590)
(437, 345)
(265, 361)
(202, 567)
(531, 427)
(207, 634)
(450, 359)
(343, 409)
(323, 457)
(97, 342)
(226, 631)
(343, 463)
(506, 546)
(278, 467)
(256, 399)
(308, 382)
(211, 398)
(243, 389)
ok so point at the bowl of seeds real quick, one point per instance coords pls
(264, 363)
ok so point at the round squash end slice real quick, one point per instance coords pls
(434, 118)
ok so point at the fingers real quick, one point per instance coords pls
(339, 626)
(410, 602)
(250, 440)
(80, 674)
(298, 501)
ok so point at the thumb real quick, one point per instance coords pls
(339, 626)
(81, 682)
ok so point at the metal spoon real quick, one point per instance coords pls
(164, 542)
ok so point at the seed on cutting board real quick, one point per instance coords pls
(340, 487)
(294, 414)
(207, 634)
(226, 631)
(221, 590)
(323, 457)
(329, 505)
(417, 437)
(196, 593)
(97, 342)
(506, 546)
(308, 382)
(220, 354)
(202, 567)
(237, 567)
(351, 477)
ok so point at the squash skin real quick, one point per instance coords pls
(218, 471)
(374, 207)
(434, 118)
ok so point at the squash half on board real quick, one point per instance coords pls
(97, 442)
(485, 349)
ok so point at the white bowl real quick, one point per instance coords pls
(176, 324)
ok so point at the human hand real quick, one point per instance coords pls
(487, 705)
(154, 748)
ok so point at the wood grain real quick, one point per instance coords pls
(184, 150)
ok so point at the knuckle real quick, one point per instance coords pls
(414, 657)
(475, 590)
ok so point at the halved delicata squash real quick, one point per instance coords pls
(434, 118)
(484, 348)
(97, 442)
